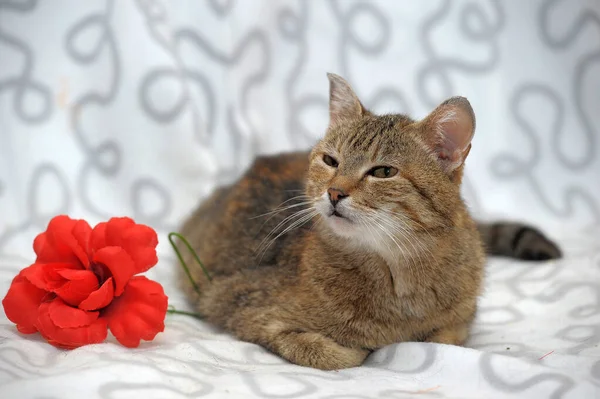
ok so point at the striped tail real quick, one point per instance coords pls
(516, 240)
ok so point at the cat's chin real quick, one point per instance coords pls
(341, 226)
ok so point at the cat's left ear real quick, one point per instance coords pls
(448, 132)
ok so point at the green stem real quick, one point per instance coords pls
(175, 311)
(171, 236)
(183, 264)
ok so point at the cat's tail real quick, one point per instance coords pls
(516, 240)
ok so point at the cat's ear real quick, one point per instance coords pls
(343, 103)
(448, 132)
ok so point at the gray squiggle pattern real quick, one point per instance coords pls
(22, 85)
(142, 107)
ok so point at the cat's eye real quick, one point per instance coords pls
(383, 172)
(330, 161)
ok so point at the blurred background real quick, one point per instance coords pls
(141, 108)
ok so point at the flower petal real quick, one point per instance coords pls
(98, 238)
(69, 338)
(36, 275)
(79, 285)
(45, 275)
(99, 298)
(65, 240)
(139, 313)
(21, 304)
(119, 264)
(65, 316)
(82, 231)
(137, 239)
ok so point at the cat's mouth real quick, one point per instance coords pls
(337, 214)
(340, 223)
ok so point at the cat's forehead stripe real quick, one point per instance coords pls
(374, 132)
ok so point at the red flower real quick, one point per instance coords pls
(84, 282)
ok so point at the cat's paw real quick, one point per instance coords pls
(311, 349)
(337, 357)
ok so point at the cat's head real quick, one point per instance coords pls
(381, 177)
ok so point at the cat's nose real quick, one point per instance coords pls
(336, 195)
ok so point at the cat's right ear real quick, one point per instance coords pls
(343, 103)
(448, 132)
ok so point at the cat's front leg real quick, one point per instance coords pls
(306, 348)
(315, 350)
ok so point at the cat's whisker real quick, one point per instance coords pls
(280, 207)
(403, 250)
(295, 224)
(402, 218)
(286, 220)
(319, 220)
(405, 233)
(273, 231)
(412, 240)
(406, 236)
(279, 210)
(302, 196)
(283, 223)
(376, 230)
(382, 228)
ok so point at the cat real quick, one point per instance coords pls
(324, 256)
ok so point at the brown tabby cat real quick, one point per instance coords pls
(379, 249)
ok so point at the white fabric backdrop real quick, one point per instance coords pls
(140, 108)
